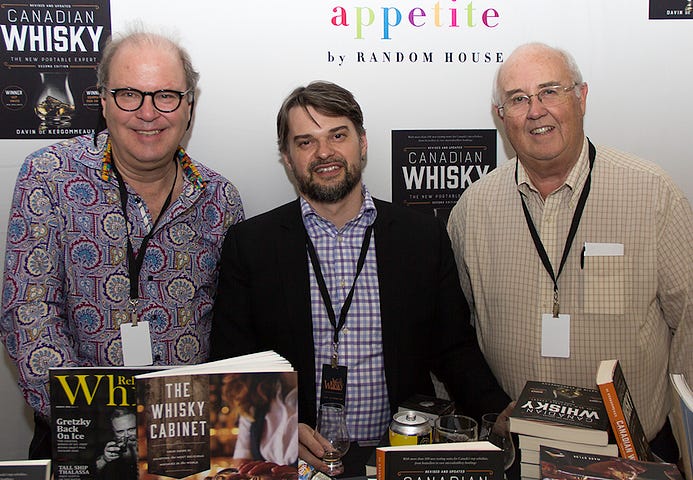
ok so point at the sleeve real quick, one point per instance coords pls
(675, 280)
(463, 368)
(33, 322)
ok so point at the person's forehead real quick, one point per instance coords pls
(533, 68)
(132, 59)
(307, 120)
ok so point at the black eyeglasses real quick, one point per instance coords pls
(131, 99)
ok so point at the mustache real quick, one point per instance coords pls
(319, 163)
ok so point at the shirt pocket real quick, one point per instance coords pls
(604, 284)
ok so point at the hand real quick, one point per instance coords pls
(501, 426)
(111, 451)
(312, 446)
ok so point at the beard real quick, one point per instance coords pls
(327, 193)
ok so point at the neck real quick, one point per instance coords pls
(548, 177)
(339, 213)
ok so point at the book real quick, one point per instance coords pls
(527, 443)
(683, 420)
(93, 422)
(442, 461)
(235, 417)
(529, 470)
(566, 465)
(25, 470)
(428, 406)
(560, 412)
(621, 411)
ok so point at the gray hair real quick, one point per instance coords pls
(565, 55)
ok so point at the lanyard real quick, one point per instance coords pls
(577, 215)
(326, 295)
(135, 261)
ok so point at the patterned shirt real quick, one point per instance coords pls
(625, 307)
(360, 341)
(66, 283)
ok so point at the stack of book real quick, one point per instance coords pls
(559, 416)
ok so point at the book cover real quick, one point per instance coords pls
(620, 408)
(25, 470)
(560, 412)
(235, 418)
(566, 465)
(440, 461)
(683, 420)
(527, 443)
(93, 422)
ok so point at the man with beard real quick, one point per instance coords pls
(119, 458)
(362, 297)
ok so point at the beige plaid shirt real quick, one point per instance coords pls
(637, 307)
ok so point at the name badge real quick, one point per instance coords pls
(333, 384)
(136, 343)
(555, 335)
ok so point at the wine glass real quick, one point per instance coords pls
(332, 427)
(495, 429)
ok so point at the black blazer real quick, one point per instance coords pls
(263, 303)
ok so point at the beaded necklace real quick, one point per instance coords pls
(181, 156)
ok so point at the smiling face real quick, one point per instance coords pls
(543, 137)
(325, 154)
(145, 139)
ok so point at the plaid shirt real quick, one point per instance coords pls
(360, 340)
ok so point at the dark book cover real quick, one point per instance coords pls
(561, 412)
(561, 464)
(25, 470)
(227, 419)
(93, 422)
(442, 461)
(620, 408)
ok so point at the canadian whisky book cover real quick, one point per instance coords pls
(93, 419)
(620, 408)
(440, 461)
(561, 412)
(234, 418)
(558, 464)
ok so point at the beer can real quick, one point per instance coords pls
(409, 428)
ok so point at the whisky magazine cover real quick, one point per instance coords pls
(561, 412)
(671, 9)
(558, 464)
(49, 55)
(93, 418)
(204, 424)
(431, 168)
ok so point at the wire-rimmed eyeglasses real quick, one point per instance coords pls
(131, 99)
(518, 104)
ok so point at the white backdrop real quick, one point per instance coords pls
(252, 54)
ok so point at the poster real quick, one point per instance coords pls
(431, 168)
(671, 9)
(49, 55)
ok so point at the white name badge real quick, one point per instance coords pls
(555, 335)
(137, 344)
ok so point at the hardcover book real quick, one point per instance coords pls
(527, 443)
(93, 422)
(234, 418)
(683, 420)
(440, 461)
(560, 412)
(566, 465)
(620, 408)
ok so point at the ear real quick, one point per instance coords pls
(364, 144)
(583, 97)
(498, 112)
(286, 159)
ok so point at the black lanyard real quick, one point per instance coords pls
(326, 294)
(577, 216)
(135, 262)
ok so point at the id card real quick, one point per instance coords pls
(555, 335)
(333, 384)
(136, 343)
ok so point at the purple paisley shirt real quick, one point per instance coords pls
(66, 284)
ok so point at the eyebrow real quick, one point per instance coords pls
(331, 131)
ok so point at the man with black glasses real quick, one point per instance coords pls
(570, 254)
(113, 239)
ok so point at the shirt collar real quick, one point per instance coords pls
(191, 172)
(366, 216)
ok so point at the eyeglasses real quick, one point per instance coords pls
(552, 96)
(131, 99)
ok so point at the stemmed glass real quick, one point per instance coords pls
(332, 427)
(495, 429)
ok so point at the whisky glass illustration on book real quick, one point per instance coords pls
(332, 427)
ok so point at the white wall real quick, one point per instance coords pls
(252, 54)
